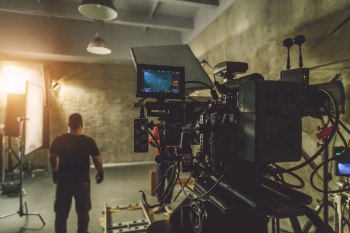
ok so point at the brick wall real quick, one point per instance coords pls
(104, 95)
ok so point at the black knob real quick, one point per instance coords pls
(288, 42)
(299, 40)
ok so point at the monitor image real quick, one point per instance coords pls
(174, 55)
(342, 162)
(161, 82)
(343, 169)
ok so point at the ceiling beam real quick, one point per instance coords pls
(151, 13)
(69, 10)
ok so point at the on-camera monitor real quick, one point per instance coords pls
(342, 164)
(343, 169)
(162, 82)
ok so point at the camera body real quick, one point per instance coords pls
(256, 122)
(253, 124)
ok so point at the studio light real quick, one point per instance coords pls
(13, 79)
(98, 46)
(98, 9)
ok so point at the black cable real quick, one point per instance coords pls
(213, 92)
(171, 185)
(209, 191)
(162, 180)
(167, 190)
(199, 82)
(159, 184)
(326, 141)
(141, 100)
(343, 139)
(321, 190)
(343, 126)
(281, 179)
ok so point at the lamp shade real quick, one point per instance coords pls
(98, 9)
(98, 46)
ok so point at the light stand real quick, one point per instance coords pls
(21, 212)
(10, 152)
(2, 154)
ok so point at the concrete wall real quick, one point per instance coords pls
(104, 95)
(252, 31)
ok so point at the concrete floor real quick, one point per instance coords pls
(121, 186)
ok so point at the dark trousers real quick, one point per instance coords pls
(160, 172)
(64, 195)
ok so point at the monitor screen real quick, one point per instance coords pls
(343, 169)
(342, 162)
(163, 82)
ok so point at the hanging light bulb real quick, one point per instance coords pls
(98, 9)
(98, 46)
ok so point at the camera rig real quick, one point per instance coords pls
(239, 137)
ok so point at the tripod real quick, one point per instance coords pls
(21, 212)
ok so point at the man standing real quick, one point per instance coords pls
(70, 163)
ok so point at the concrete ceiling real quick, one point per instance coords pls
(55, 30)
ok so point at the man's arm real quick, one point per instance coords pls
(54, 165)
(98, 163)
(53, 162)
(99, 167)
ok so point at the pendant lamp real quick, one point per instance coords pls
(98, 9)
(98, 46)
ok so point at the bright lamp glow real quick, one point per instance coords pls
(13, 80)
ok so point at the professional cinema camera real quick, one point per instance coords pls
(239, 137)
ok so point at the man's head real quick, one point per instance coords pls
(75, 121)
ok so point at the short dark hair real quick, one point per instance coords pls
(75, 120)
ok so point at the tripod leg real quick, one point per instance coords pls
(278, 229)
(26, 213)
(273, 222)
(26, 207)
(7, 215)
(295, 224)
(308, 224)
(39, 216)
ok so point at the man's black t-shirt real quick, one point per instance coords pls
(74, 153)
